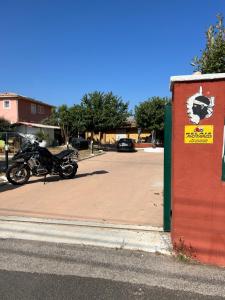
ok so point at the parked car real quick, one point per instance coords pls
(125, 145)
(79, 143)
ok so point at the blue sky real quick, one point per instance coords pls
(57, 51)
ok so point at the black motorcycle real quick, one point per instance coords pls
(39, 161)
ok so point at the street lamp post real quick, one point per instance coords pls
(6, 151)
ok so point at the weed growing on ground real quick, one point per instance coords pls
(184, 252)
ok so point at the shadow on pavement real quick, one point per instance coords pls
(8, 186)
(100, 172)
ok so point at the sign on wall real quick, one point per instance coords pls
(200, 107)
(198, 134)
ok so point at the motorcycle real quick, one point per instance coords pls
(34, 160)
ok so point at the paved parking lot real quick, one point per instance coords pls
(124, 188)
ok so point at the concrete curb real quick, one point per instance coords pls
(91, 156)
(79, 223)
(154, 150)
(130, 237)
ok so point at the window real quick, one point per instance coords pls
(6, 104)
(41, 109)
(33, 108)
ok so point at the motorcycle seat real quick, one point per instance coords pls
(63, 154)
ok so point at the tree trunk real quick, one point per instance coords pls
(153, 137)
(65, 135)
(67, 140)
(100, 137)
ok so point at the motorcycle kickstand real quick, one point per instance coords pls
(45, 178)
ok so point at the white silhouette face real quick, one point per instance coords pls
(199, 107)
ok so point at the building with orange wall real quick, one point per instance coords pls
(128, 130)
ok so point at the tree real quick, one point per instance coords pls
(4, 125)
(103, 111)
(77, 119)
(149, 115)
(213, 56)
(69, 119)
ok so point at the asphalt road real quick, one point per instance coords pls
(37, 270)
(19, 285)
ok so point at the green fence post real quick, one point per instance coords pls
(167, 167)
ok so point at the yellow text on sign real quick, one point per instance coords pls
(202, 134)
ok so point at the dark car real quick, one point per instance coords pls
(125, 145)
(79, 143)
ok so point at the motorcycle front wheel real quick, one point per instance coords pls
(18, 174)
(68, 171)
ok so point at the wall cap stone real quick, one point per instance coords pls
(195, 77)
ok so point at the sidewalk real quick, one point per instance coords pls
(121, 188)
(114, 201)
(144, 238)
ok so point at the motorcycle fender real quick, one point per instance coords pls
(75, 164)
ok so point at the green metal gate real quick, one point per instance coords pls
(167, 168)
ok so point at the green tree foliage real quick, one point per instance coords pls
(149, 115)
(213, 56)
(103, 111)
(77, 119)
(69, 119)
(98, 112)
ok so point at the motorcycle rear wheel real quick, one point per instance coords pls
(68, 172)
(17, 174)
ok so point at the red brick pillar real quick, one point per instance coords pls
(198, 191)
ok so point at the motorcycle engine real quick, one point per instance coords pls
(36, 167)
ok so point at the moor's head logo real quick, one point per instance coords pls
(200, 107)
